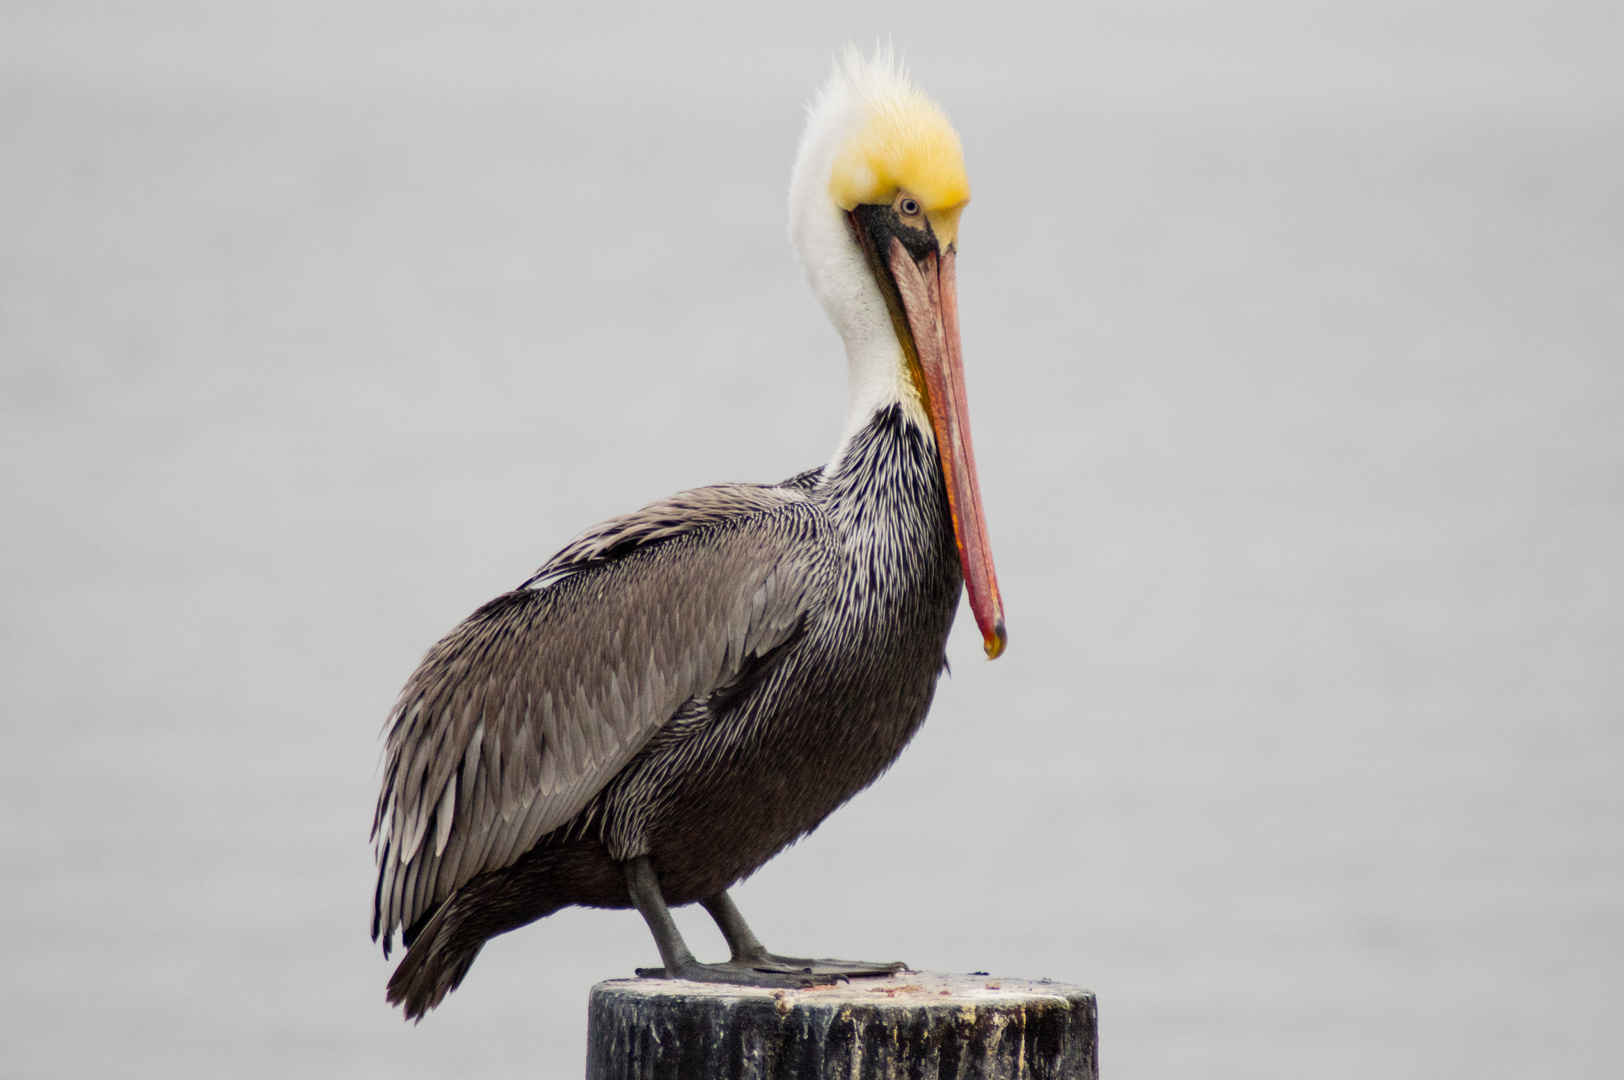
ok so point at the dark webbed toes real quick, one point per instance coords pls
(803, 965)
(742, 975)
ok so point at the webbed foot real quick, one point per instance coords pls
(736, 974)
(752, 964)
(749, 952)
(766, 961)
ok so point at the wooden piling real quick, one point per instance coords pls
(916, 1025)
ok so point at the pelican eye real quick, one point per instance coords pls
(908, 205)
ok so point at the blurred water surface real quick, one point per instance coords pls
(1296, 344)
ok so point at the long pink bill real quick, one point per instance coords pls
(930, 299)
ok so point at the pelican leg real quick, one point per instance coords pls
(748, 952)
(644, 885)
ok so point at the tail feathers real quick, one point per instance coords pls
(437, 961)
(441, 950)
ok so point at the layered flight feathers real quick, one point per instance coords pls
(521, 714)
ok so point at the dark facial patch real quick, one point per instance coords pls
(881, 223)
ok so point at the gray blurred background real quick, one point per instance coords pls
(1295, 336)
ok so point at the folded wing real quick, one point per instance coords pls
(520, 715)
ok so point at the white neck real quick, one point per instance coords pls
(838, 272)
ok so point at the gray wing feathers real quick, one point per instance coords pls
(521, 714)
(684, 512)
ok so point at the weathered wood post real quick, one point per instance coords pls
(915, 1025)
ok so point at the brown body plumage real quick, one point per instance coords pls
(840, 590)
(685, 690)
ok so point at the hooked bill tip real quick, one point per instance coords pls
(994, 642)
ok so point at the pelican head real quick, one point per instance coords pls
(875, 199)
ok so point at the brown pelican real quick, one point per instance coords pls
(683, 691)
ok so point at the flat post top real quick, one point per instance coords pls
(917, 1024)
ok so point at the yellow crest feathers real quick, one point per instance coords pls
(904, 141)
